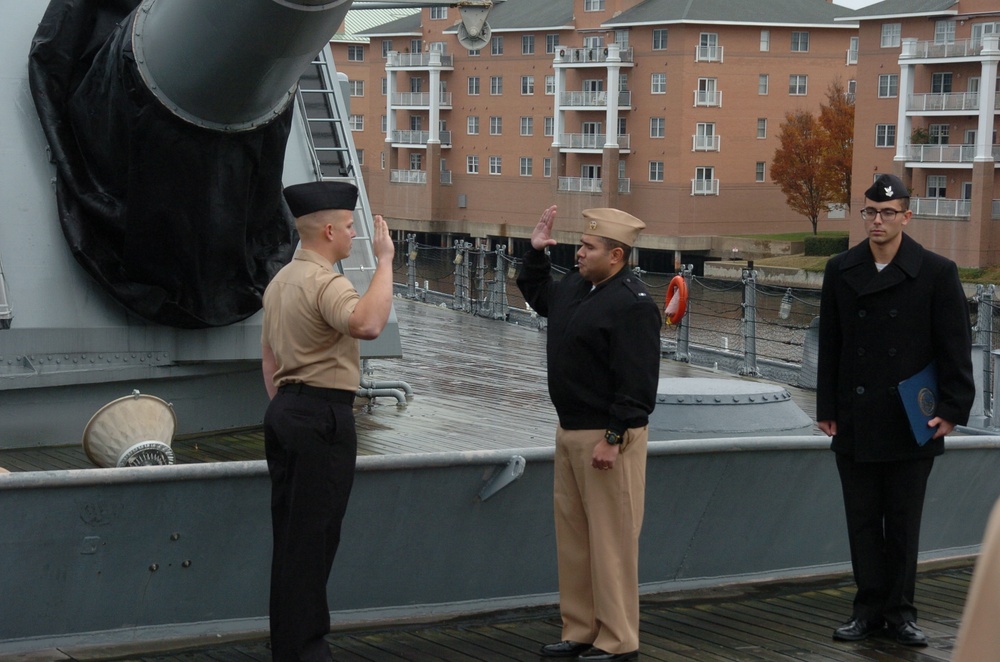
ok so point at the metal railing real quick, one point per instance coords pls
(704, 187)
(924, 49)
(420, 99)
(599, 54)
(701, 143)
(418, 59)
(942, 153)
(581, 184)
(703, 98)
(943, 207)
(950, 101)
(408, 176)
(708, 53)
(591, 140)
(592, 99)
(419, 137)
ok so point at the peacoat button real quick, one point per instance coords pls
(862, 313)
(892, 351)
(893, 312)
(860, 390)
(861, 351)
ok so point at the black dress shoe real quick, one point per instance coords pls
(857, 629)
(909, 634)
(564, 649)
(597, 654)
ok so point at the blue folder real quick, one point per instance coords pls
(919, 394)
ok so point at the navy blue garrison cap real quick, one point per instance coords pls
(887, 187)
(311, 197)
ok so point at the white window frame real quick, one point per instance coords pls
(550, 85)
(496, 165)
(527, 166)
(798, 85)
(355, 53)
(800, 41)
(549, 126)
(761, 128)
(763, 82)
(656, 171)
(660, 39)
(944, 31)
(658, 83)
(527, 125)
(357, 122)
(496, 125)
(472, 87)
(527, 44)
(472, 125)
(472, 164)
(765, 41)
(439, 13)
(760, 173)
(527, 86)
(657, 127)
(937, 186)
(496, 45)
(551, 43)
(593, 5)
(357, 88)
(547, 166)
(885, 135)
(496, 86)
(891, 35)
(888, 86)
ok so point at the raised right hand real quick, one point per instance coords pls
(541, 236)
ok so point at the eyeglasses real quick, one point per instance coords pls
(887, 214)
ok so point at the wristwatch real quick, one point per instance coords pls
(613, 438)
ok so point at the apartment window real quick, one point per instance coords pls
(550, 85)
(885, 135)
(759, 172)
(474, 85)
(798, 84)
(657, 127)
(526, 166)
(937, 186)
(527, 126)
(527, 85)
(357, 122)
(658, 84)
(593, 5)
(891, 35)
(416, 160)
(852, 50)
(496, 45)
(551, 41)
(361, 157)
(496, 85)
(496, 125)
(472, 125)
(944, 32)
(495, 165)
(439, 13)
(762, 84)
(888, 85)
(416, 45)
(385, 86)
(381, 158)
(939, 133)
(621, 38)
(472, 165)
(549, 126)
(416, 85)
(547, 167)
(528, 44)
(761, 127)
(800, 42)
(656, 171)
(416, 123)
(386, 47)
(765, 41)
(475, 52)
(357, 88)
(660, 39)
(384, 123)
(704, 181)
(355, 53)
(705, 138)
(852, 87)
(941, 82)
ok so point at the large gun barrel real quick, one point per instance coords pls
(230, 64)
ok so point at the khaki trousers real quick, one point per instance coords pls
(598, 517)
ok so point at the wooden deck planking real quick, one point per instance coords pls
(786, 620)
(478, 384)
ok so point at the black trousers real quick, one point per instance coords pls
(884, 503)
(311, 448)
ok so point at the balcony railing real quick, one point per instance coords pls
(591, 140)
(594, 99)
(943, 207)
(624, 185)
(419, 137)
(446, 176)
(408, 176)
(595, 55)
(420, 99)
(581, 184)
(704, 143)
(942, 153)
(950, 101)
(703, 98)
(928, 49)
(996, 209)
(708, 54)
(704, 187)
(418, 59)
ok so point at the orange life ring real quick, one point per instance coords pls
(673, 310)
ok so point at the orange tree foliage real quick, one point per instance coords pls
(799, 166)
(837, 118)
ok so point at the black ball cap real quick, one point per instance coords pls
(887, 187)
(311, 197)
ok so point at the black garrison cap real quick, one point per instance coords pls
(887, 187)
(311, 197)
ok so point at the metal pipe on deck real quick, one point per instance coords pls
(230, 64)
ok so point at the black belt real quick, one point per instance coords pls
(335, 395)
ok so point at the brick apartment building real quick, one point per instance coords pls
(669, 110)
(926, 109)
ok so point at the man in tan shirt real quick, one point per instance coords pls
(313, 320)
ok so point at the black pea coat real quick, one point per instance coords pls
(878, 328)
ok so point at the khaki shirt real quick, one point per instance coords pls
(306, 311)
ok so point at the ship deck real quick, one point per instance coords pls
(788, 620)
(479, 384)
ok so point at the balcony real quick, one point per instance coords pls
(704, 143)
(950, 102)
(418, 60)
(704, 187)
(941, 207)
(589, 55)
(596, 100)
(408, 176)
(418, 138)
(703, 98)
(943, 153)
(420, 100)
(591, 141)
(708, 54)
(922, 50)
(591, 185)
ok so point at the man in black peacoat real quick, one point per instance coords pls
(888, 309)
